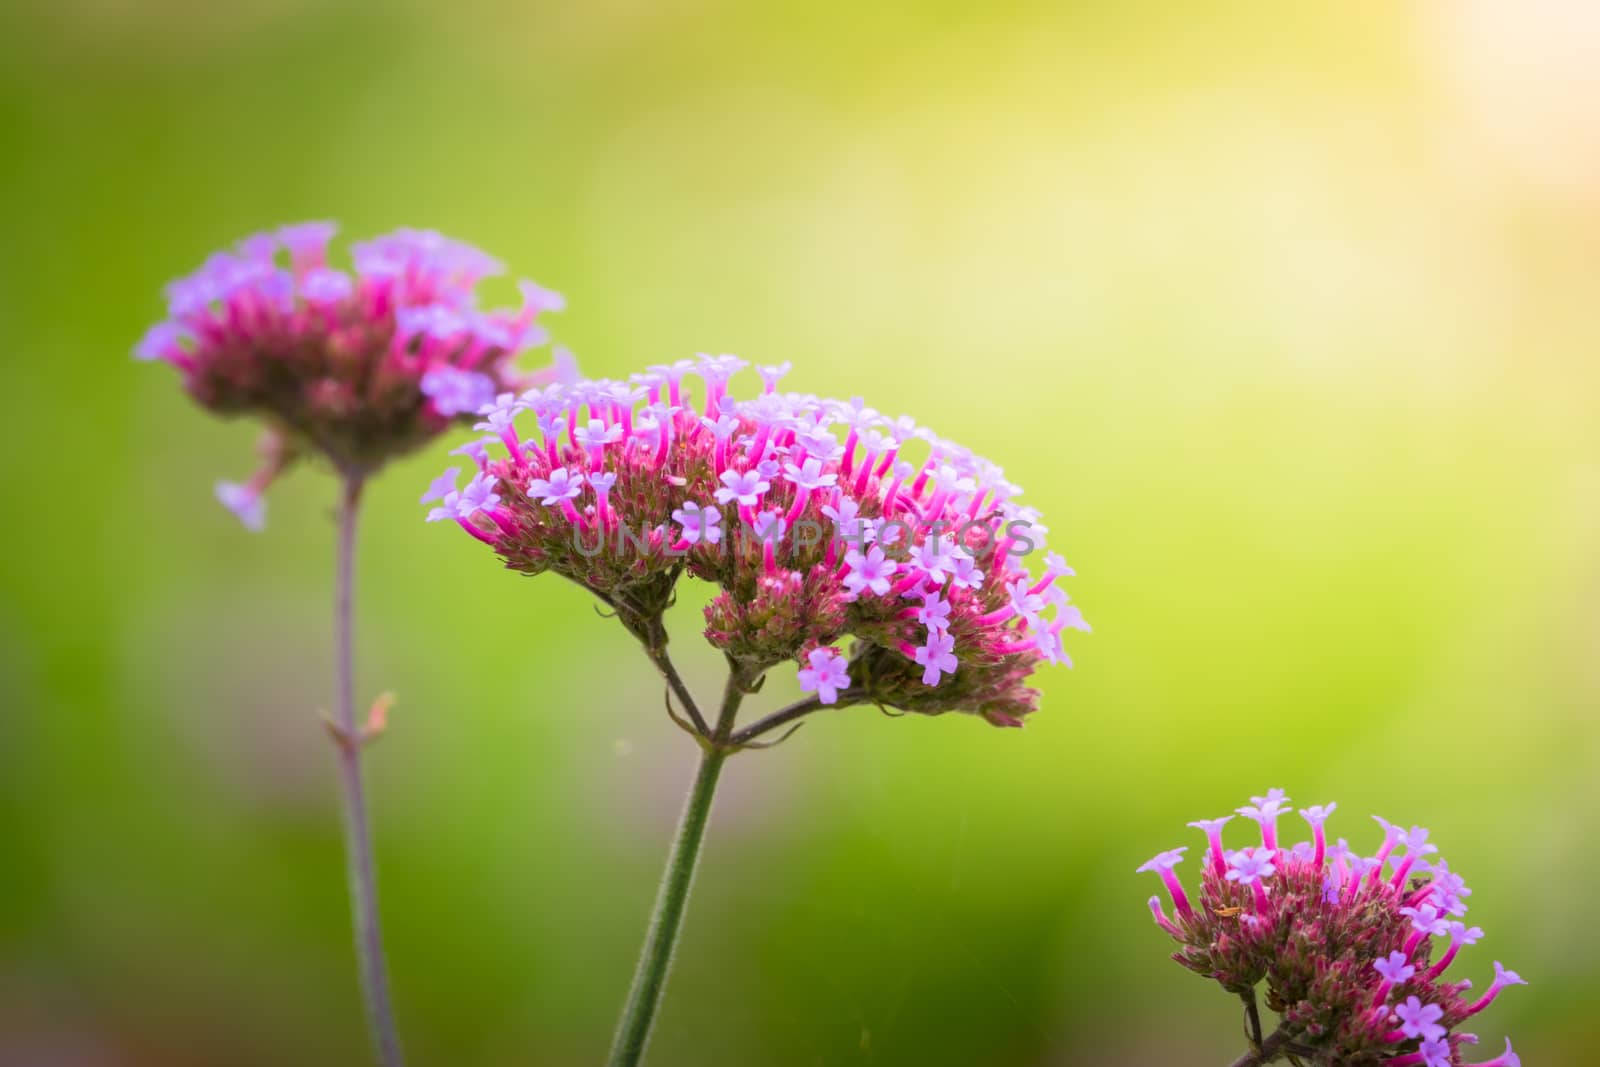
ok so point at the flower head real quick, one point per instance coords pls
(360, 366)
(838, 534)
(1355, 956)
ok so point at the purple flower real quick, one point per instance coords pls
(770, 376)
(699, 524)
(1427, 920)
(1250, 865)
(768, 527)
(884, 532)
(246, 502)
(869, 571)
(1162, 864)
(499, 415)
(1163, 861)
(479, 495)
(536, 298)
(934, 612)
(442, 486)
(597, 435)
(1502, 979)
(1212, 828)
(1318, 814)
(326, 288)
(935, 655)
(1449, 889)
(846, 526)
(809, 475)
(716, 370)
(1420, 1020)
(477, 451)
(307, 242)
(824, 675)
(435, 321)
(457, 392)
(1416, 840)
(1395, 968)
(745, 487)
(1508, 1058)
(722, 428)
(563, 484)
(964, 572)
(1026, 604)
(1265, 811)
(935, 556)
(1056, 567)
(164, 340)
(1436, 1052)
(822, 445)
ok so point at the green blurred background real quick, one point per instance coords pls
(1284, 314)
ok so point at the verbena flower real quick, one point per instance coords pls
(817, 519)
(1354, 950)
(358, 366)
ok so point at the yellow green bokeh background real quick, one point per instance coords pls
(1286, 315)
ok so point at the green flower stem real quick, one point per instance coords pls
(650, 979)
(357, 831)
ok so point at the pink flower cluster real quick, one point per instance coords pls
(816, 519)
(1353, 949)
(359, 367)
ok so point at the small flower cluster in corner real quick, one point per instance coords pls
(358, 367)
(1354, 949)
(907, 542)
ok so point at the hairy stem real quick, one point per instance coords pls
(1274, 1046)
(650, 978)
(357, 831)
(846, 698)
(669, 673)
(1252, 1015)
